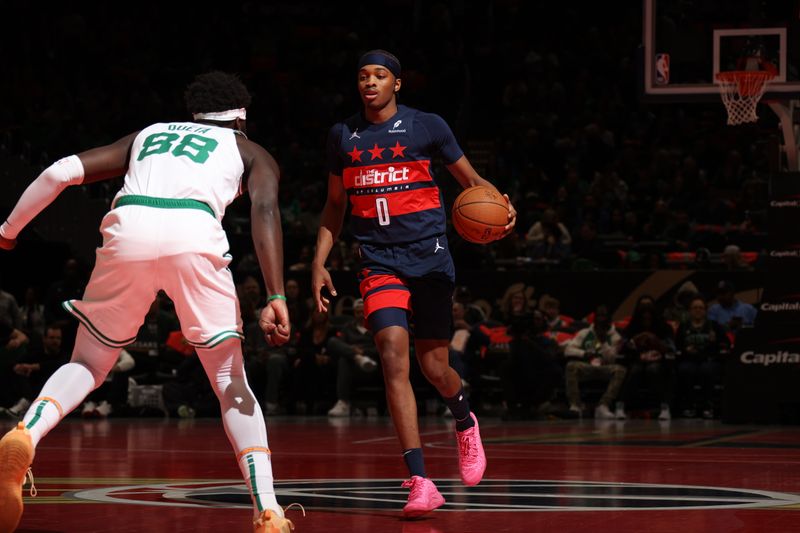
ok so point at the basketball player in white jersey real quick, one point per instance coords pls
(164, 232)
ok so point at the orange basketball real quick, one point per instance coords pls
(480, 214)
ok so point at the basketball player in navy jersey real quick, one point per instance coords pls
(380, 160)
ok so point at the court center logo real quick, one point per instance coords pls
(490, 495)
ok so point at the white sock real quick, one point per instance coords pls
(69, 385)
(256, 467)
(243, 420)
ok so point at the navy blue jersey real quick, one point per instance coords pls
(386, 171)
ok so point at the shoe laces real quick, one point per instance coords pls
(415, 484)
(303, 509)
(260, 520)
(29, 478)
(466, 444)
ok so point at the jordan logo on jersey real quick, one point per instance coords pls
(354, 135)
(438, 247)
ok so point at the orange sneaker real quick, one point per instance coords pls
(270, 521)
(16, 456)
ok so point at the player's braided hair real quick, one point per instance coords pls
(216, 91)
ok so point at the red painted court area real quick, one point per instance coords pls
(135, 475)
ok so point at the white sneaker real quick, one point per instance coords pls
(104, 409)
(619, 411)
(664, 414)
(20, 407)
(186, 411)
(603, 412)
(367, 364)
(89, 409)
(342, 408)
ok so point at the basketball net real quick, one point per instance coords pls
(741, 90)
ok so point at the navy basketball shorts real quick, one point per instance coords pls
(390, 300)
(412, 280)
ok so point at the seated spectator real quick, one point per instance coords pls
(267, 366)
(730, 312)
(303, 261)
(700, 344)
(515, 304)
(530, 376)
(732, 259)
(458, 342)
(473, 313)
(593, 354)
(649, 349)
(9, 310)
(153, 363)
(487, 350)
(297, 304)
(251, 300)
(31, 367)
(678, 311)
(190, 393)
(357, 359)
(314, 368)
(679, 232)
(556, 322)
(32, 313)
(113, 393)
(548, 238)
(588, 247)
(69, 287)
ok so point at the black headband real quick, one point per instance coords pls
(377, 57)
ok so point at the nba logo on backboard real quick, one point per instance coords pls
(662, 69)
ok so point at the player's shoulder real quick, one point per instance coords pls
(346, 127)
(430, 120)
(253, 151)
(419, 113)
(351, 123)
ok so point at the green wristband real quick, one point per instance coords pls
(276, 297)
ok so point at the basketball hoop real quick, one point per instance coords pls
(741, 90)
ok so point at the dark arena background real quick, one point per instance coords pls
(605, 125)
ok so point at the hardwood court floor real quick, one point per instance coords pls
(153, 475)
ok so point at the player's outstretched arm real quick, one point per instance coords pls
(107, 161)
(330, 226)
(463, 171)
(263, 177)
(93, 165)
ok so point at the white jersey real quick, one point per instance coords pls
(186, 160)
(164, 231)
(181, 177)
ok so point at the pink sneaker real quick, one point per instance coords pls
(424, 497)
(471, 459)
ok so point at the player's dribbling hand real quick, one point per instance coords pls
(512, 217)
(320, 277)
(7, 244)
(274, 322)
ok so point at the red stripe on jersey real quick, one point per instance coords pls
(388, 181)
(385, 175)
(397, 203)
